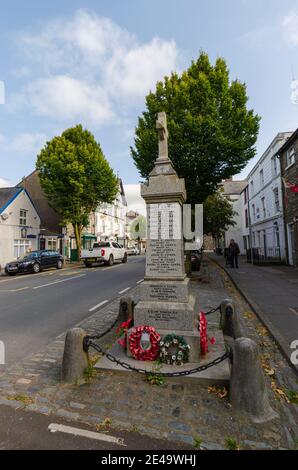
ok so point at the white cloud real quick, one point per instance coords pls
(4, 183)
(134, 72)
(88, 66)
(67, 99)
(290, 27)
(23, 143)
(135, 202)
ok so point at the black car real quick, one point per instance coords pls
(196, 257)
(34, 262)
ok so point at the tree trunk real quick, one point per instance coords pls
(78, 232)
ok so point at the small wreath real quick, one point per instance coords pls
(174, 350)
(144, 343)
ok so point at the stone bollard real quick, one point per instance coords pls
(125, 309)
(229, 319)
(75, 359)
(247, 386)
(204, 271)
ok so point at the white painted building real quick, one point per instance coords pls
(19, 224)
(110, 219)
(232, 191)
(263, 206)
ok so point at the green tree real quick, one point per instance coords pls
(218, 215)
(211, 132)
(75, 177)
(138, 228)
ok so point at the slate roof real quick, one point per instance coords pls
(233, 187)
(7, 195)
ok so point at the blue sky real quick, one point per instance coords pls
(94, 61)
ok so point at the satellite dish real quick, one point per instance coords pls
(4, 216)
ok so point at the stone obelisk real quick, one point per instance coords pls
(165, 302)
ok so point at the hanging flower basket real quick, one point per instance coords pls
(144, 343)
(174, 350)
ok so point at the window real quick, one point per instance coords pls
(252, 187)
(246, 195)
(276, 200)
(276, 236)
(23, 217)
(246, 218)
(262, 178)
(253, 212)
(20, 247)
(290, 156)
(259, 238)
(52, 244)
(274, 165)
(263, 206)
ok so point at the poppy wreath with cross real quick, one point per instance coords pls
(174, 350)
(144, 350)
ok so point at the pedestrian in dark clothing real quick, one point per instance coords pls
(233, 252)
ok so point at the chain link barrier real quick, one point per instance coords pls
(88, 342)
(212, 310)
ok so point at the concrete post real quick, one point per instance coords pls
(229, 319)
(75, 359)
(125, 309)
(247, 387)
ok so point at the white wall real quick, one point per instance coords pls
(236, 232)
(265, 223)
(10, 230)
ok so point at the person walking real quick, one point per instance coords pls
(233, 252)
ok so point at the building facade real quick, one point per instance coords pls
(262, 205)
(19, 224)
(288, 156)
(232, 190)
(110, 219)
(52, 234)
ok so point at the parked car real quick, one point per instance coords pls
(106, 252)
(133, 250)
(195, 260)
(35, 262)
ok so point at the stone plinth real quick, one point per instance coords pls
(165, 302)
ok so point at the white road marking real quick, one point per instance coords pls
(98, 305)
(293, 310)
(59, 281)
(141, 280)
(14, 290)
(53, 427)
(113, 267)
(124, 290)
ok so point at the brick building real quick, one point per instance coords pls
(288, 155)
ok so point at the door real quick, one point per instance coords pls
(117, 250)
(45, 259)
(291, 244)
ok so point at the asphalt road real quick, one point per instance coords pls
(23, 430)
(35, 308)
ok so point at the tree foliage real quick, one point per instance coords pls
(218, 214)
(138, 228)
(75, 177)
(211, 132)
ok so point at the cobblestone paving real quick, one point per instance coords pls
(177, 411)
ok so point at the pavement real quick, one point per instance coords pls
(21, 430)
(272, 292)
(35, 308)
(122, 404)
